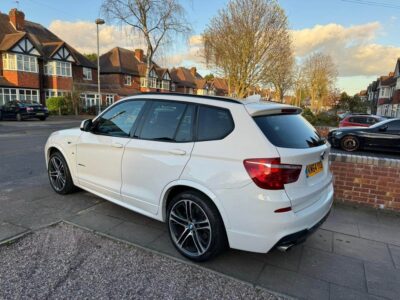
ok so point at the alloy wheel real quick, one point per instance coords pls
(57, 173)
(350, 143)
(190, 228)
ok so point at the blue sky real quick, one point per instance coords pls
(350, 19)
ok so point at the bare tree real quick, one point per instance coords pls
(242, 42)
(320, 73)
(282, 76)
(157, 21)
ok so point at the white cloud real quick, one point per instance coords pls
(82, 36)
(352, 48)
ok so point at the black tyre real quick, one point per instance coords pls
(195, 226)
(42, 118)
(350, 143)
(59, 174)
(1, 116)
(19, 117)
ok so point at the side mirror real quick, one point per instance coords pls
(383, 128)
(86, 125)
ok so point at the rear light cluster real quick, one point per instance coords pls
(270, 174)
(29, 108)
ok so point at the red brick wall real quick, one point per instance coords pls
(22, 79)
(57, 82)
(77, 73)
(369, 181)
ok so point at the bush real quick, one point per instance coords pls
(320, 119)
(56, 105)
(309, 116)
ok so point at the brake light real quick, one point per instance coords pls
(289, 111)
(270, 174)
(29, 108)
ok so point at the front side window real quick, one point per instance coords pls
(58, 68)
(119, 120)
(394, 126)
(87, 73)
(20, 62)
(214, 123)
(162, 121)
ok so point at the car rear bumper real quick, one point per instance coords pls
(36, 114)
(254, 226)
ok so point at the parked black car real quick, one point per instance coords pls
(382, 136)
(21, 110)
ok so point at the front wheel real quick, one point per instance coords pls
(42, 118)
(59, 175)
(195, 226)
(350, 143)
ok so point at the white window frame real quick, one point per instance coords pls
(153, 82)
(87, 73)
(20, 62)
(165, 85)
(49, 93)
(10, 94)
(128, 80)
(143, 82)
(58, 68)
(109, 99)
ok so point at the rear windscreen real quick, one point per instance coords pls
(289, 131)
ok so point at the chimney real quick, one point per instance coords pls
(193, 70)
(139, 54)
(17, 18)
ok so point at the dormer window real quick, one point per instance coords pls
(58, 68)
(128, 80)
(87, 73)
(20, 62)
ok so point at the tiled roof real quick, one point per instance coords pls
(43, 39)
(120, 60)
(183, 77)
(388, 81)
(221, 84)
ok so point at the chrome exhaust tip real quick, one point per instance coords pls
(284, 248)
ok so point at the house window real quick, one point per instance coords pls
(128, 80)
(58, 68)
(28, 95)
(89, 100)
(109, 99)
(7, 95)
(173, 87)
(54, 93)
(87, 73)
(143, 82)
(20, 62)
(153, 82)
(165, 85)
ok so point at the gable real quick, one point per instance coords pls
(153, 73)
(25, 46)
(166, 76)
(63, 54)
(397, 69)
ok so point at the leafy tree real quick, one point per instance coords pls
(244, 43)
(352, 104)
(56, 105)
(91, 56)
(209, 77)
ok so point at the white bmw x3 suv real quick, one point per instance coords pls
(220, 172)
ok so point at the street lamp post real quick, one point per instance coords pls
(98, 22)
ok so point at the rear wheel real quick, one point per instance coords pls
(42, 118)
(350, 143)
(1, 116)
(195, 226)
(59, 175)
(19, 117)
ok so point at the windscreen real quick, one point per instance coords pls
(289, 131)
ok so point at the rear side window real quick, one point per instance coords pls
(213, 123)
(162, 121)
(289, 131)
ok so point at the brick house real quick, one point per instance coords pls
(35, 64)
(124, 72)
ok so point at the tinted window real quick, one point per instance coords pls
(214, 123)
(162, 121)
(289, 131)
(395, 125)
(185, 129)
(352, 120)
(118, 121)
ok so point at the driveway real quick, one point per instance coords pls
(355, 255)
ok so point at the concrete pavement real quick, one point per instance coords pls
(355, 254)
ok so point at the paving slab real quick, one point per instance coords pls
(321, 239)
(8, 230)
(95, 221)
(136, 233)
(363, 249)
(238, 264)
(381, 233)
(293, 284)
(383, 281)
(338, 292)
(354, 215)
(333, 268)
(289, 260)
(339, 226)
(395, 252)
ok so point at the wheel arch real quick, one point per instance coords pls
(359, 138)
(176, 187)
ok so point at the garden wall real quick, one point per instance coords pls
(369, 181)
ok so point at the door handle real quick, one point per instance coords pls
(177, 152)
(117, 145)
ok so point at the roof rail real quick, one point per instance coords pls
(219, 98)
